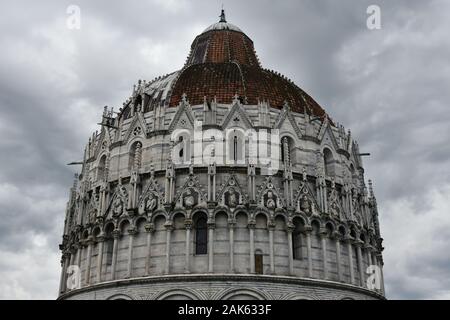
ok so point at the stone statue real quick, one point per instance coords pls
(117, 206)
(232, 198)
(189, 200)
(270, 202)
(334, 209)
(305, 204)
(151, 203)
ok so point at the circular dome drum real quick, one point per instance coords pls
(223, 180)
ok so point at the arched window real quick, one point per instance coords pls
(182, 149)
(259, 262)
(109, 244)
(101, 170)
(297, 241)
(201, 236)
(135, 156)
(236, 147)
(328, 162)
(138, 104)
(181, 152)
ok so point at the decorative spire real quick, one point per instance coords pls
(222, 16)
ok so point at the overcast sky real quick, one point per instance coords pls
(389, 86)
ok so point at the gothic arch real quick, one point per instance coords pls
(123, 222)
(297, 296)
(329, 160)
(119, 296)
(243, 293)
(222, 210)
(243, 212)
(177, 294)
(135, 147)
(159, 214)
(178, 211)
(139, 220)
(182, 149)
(101, 166)
(235, 149)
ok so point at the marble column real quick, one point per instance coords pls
(308, 231)
(338, 256)
(349, 241)
(169, 229)
(211, 226)
(271, 227)
(188, 226)
(324, 236)
(289, 230)
(149, 227)
(90, 242)
(360, 263)
(100, 241)
(131, 233)
(231, 225)
(116, 235)
(251, 227)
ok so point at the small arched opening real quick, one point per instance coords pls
(201, 234)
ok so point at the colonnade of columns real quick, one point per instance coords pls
(363, 251)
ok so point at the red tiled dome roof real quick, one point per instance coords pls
(223, 63)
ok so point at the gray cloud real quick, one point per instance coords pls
(390, 87)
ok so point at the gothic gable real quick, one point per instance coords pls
(184, 117)
(231, 193)
(151, 198)
(137, 128)
(104, 141)
(237, 117)
(269, 196)
(118, 202)
(326, 135)
(304, 198)
(286, 122)
(191, 194)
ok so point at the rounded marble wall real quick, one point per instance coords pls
(242, 240)
(221, 287)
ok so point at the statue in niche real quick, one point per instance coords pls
(270, 200)
(123, 191)
(334, 209)
(232, 198)
(92, 215)
(305, 204)
(189, 199)
(151, 203)
(117, 207)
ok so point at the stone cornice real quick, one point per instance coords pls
(224, 277)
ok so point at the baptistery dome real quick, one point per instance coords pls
(222, 180)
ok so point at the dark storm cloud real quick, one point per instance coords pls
(389, 86)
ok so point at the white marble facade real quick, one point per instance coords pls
(145, 214)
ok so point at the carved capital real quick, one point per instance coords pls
(169, 226)
(132, 231)
(211, 224)
(231, 223)
(116, 233)
(149, 227)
